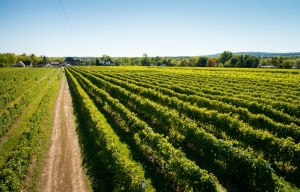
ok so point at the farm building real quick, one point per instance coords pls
(72, 61)
(23, 64)
(55, 63)
(107, 62)
(269, 67)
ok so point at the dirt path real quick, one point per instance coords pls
(62, 170)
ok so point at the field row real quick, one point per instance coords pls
(171, 125)
(22, 119)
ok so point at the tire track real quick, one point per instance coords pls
(62, 170)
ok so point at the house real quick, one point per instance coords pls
(69, 60)
(107, 62)
(23, 64)
(41, 65)
(78, 62)
(72, 61)
(55, 63)
(268, 66)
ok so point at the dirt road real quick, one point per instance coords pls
(62, 170)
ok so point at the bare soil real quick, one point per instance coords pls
(62, 170)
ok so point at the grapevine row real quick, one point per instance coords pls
(127, 177)
(274, 110)
(260, 121)
(181, 170)
(254, 107)
(9, 116)
(14, 172)
(198, 138)
(274, 148)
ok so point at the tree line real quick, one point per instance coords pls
(226, 59)
(10, 59)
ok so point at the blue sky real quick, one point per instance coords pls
(156, 27)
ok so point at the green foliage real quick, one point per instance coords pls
(7, 59)
(228, 122)
(13, 173)
(97, 62)
(288, 64)
(144, 60)
(179, 169)
(26, 90)
(225, 56)
(297, 64)
(126, 174)
(202, 61)
(274, 61)
(211, 62)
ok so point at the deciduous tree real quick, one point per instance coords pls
(144, 60)
(201, 61)
(97, 62)
(288, 64)
(225, 56)
(211, 62)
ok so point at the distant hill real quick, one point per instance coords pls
(262, 54)
(257, 54)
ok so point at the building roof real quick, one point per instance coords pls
(268, 66)
(20, 63)
(69, 59)
(54, 63)
(26, 62)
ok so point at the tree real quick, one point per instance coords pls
(7, 59)
(274, 61)
(156, 60)
(97, 62)
(211, 63)
(233, 62)
(124, 61)
(297, 64)
(242, 61)
(44, 59)
(192, 61)
(225, 56)
(201, 61)
(144, 60)
(92, 63)
(103, 58)
(262, 62)
(136, 61)
(255, 61)
(34, 59)
(170, 62)
(23, 57)
(288, 64)
(280, 59)
(184, 63)
(59, 59)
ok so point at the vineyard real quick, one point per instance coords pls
(178, 129)
(26, 99)
(188, 129)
